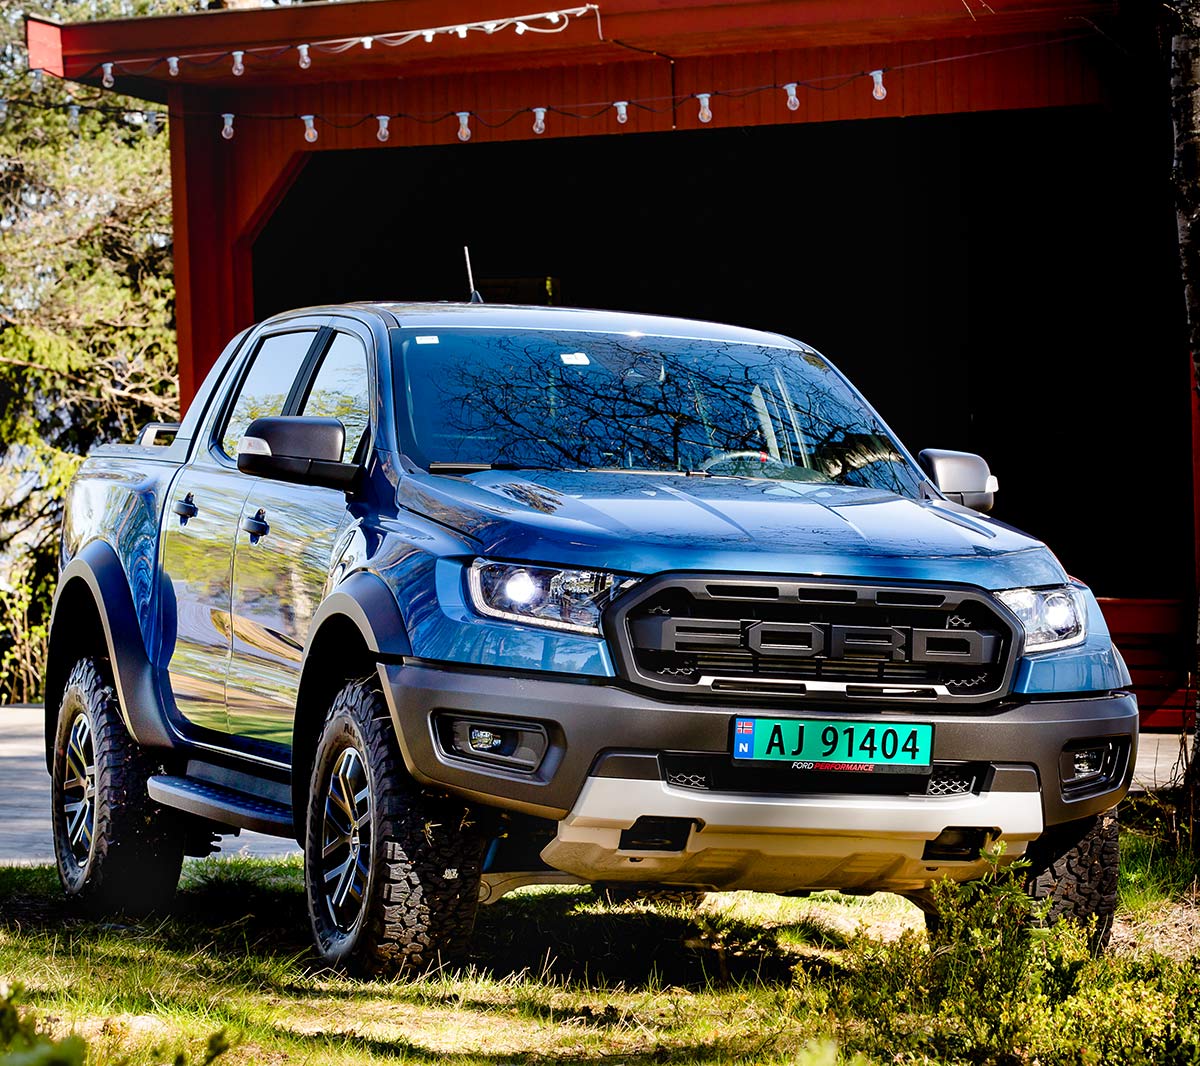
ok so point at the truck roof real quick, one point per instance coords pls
(414, 315)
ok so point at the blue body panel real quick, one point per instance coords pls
(121, 502)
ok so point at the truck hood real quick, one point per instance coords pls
(647, 523)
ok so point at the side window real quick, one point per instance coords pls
(341, 390)
(265, 389)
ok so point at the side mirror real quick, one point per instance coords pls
(297, 448)
(961, 477)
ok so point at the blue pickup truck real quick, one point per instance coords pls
(464, 598)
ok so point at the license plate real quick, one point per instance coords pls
(826, 744)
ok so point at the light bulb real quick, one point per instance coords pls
(367, 42)
(521, 28)
(173, 66)
(239, 68)
(305, 59)
(38, 80)
(428, 35)
(489, 27)
(622, 107)
(107, 79)
(227, 129)
(553, 17)
(521, 589)
(151, 123)
(310, 129)
(880, 90)
(461, 31)
(73, 116)
(705, 110)
(539, 120)
(382, 134)
(464, 125)
(793, 101)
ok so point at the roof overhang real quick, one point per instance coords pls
(672, 28)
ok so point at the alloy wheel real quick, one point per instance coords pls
(79, 789)
(346, 839)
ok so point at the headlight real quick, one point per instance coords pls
(1051, 618)
(542, 596)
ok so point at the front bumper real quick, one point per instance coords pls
(609, 753)
(584, 720)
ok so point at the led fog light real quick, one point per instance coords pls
(519, 745)
(1089, 763)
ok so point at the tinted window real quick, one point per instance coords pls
(340, 390)
(628, 402)
(265, 389)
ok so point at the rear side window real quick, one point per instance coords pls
(264, 390)
(341, 390)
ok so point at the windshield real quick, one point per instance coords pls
(541, 399)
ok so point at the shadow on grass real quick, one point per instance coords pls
(724, 1052)
(247, 920)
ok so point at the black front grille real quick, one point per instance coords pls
(786, 639)
(717, 773)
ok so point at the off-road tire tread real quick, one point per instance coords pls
(137, 853)
(417, 919)
(1075, 867)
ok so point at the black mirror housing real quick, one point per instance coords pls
(297, 448)
(961, 477)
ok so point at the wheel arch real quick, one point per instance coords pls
(357, 624)
(93, 614)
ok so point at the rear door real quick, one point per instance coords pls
(281, 576)
(201, 523)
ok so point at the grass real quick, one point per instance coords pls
(560, 974)
(1156, 863)
(557, 973)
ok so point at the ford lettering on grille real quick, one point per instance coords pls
(808, 640)
(819, 641)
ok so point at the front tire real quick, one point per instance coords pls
(1075, 867)
(115, 848)
(391, 871)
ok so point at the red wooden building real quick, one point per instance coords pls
(988, 250)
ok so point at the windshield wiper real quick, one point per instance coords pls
(475, 468)
(647, 470)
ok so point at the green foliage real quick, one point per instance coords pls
(22, 1045)
(87, 342)
(991, 985)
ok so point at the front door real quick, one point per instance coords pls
(200, 526)
(289, 541)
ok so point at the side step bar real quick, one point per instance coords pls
(221, 804)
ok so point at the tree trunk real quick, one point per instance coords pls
(1185, 113)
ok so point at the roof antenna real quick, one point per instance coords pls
(475, 297)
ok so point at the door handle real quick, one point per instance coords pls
(185, 508)
(256, 526)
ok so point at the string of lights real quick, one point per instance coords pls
(308, 125)
(539, 22)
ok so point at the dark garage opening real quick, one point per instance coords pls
(1002, 283)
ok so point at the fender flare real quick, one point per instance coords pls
(365, 599)
(98, 568)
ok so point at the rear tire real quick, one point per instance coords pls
(391, 871)
(1075, 867)
(115, 848)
